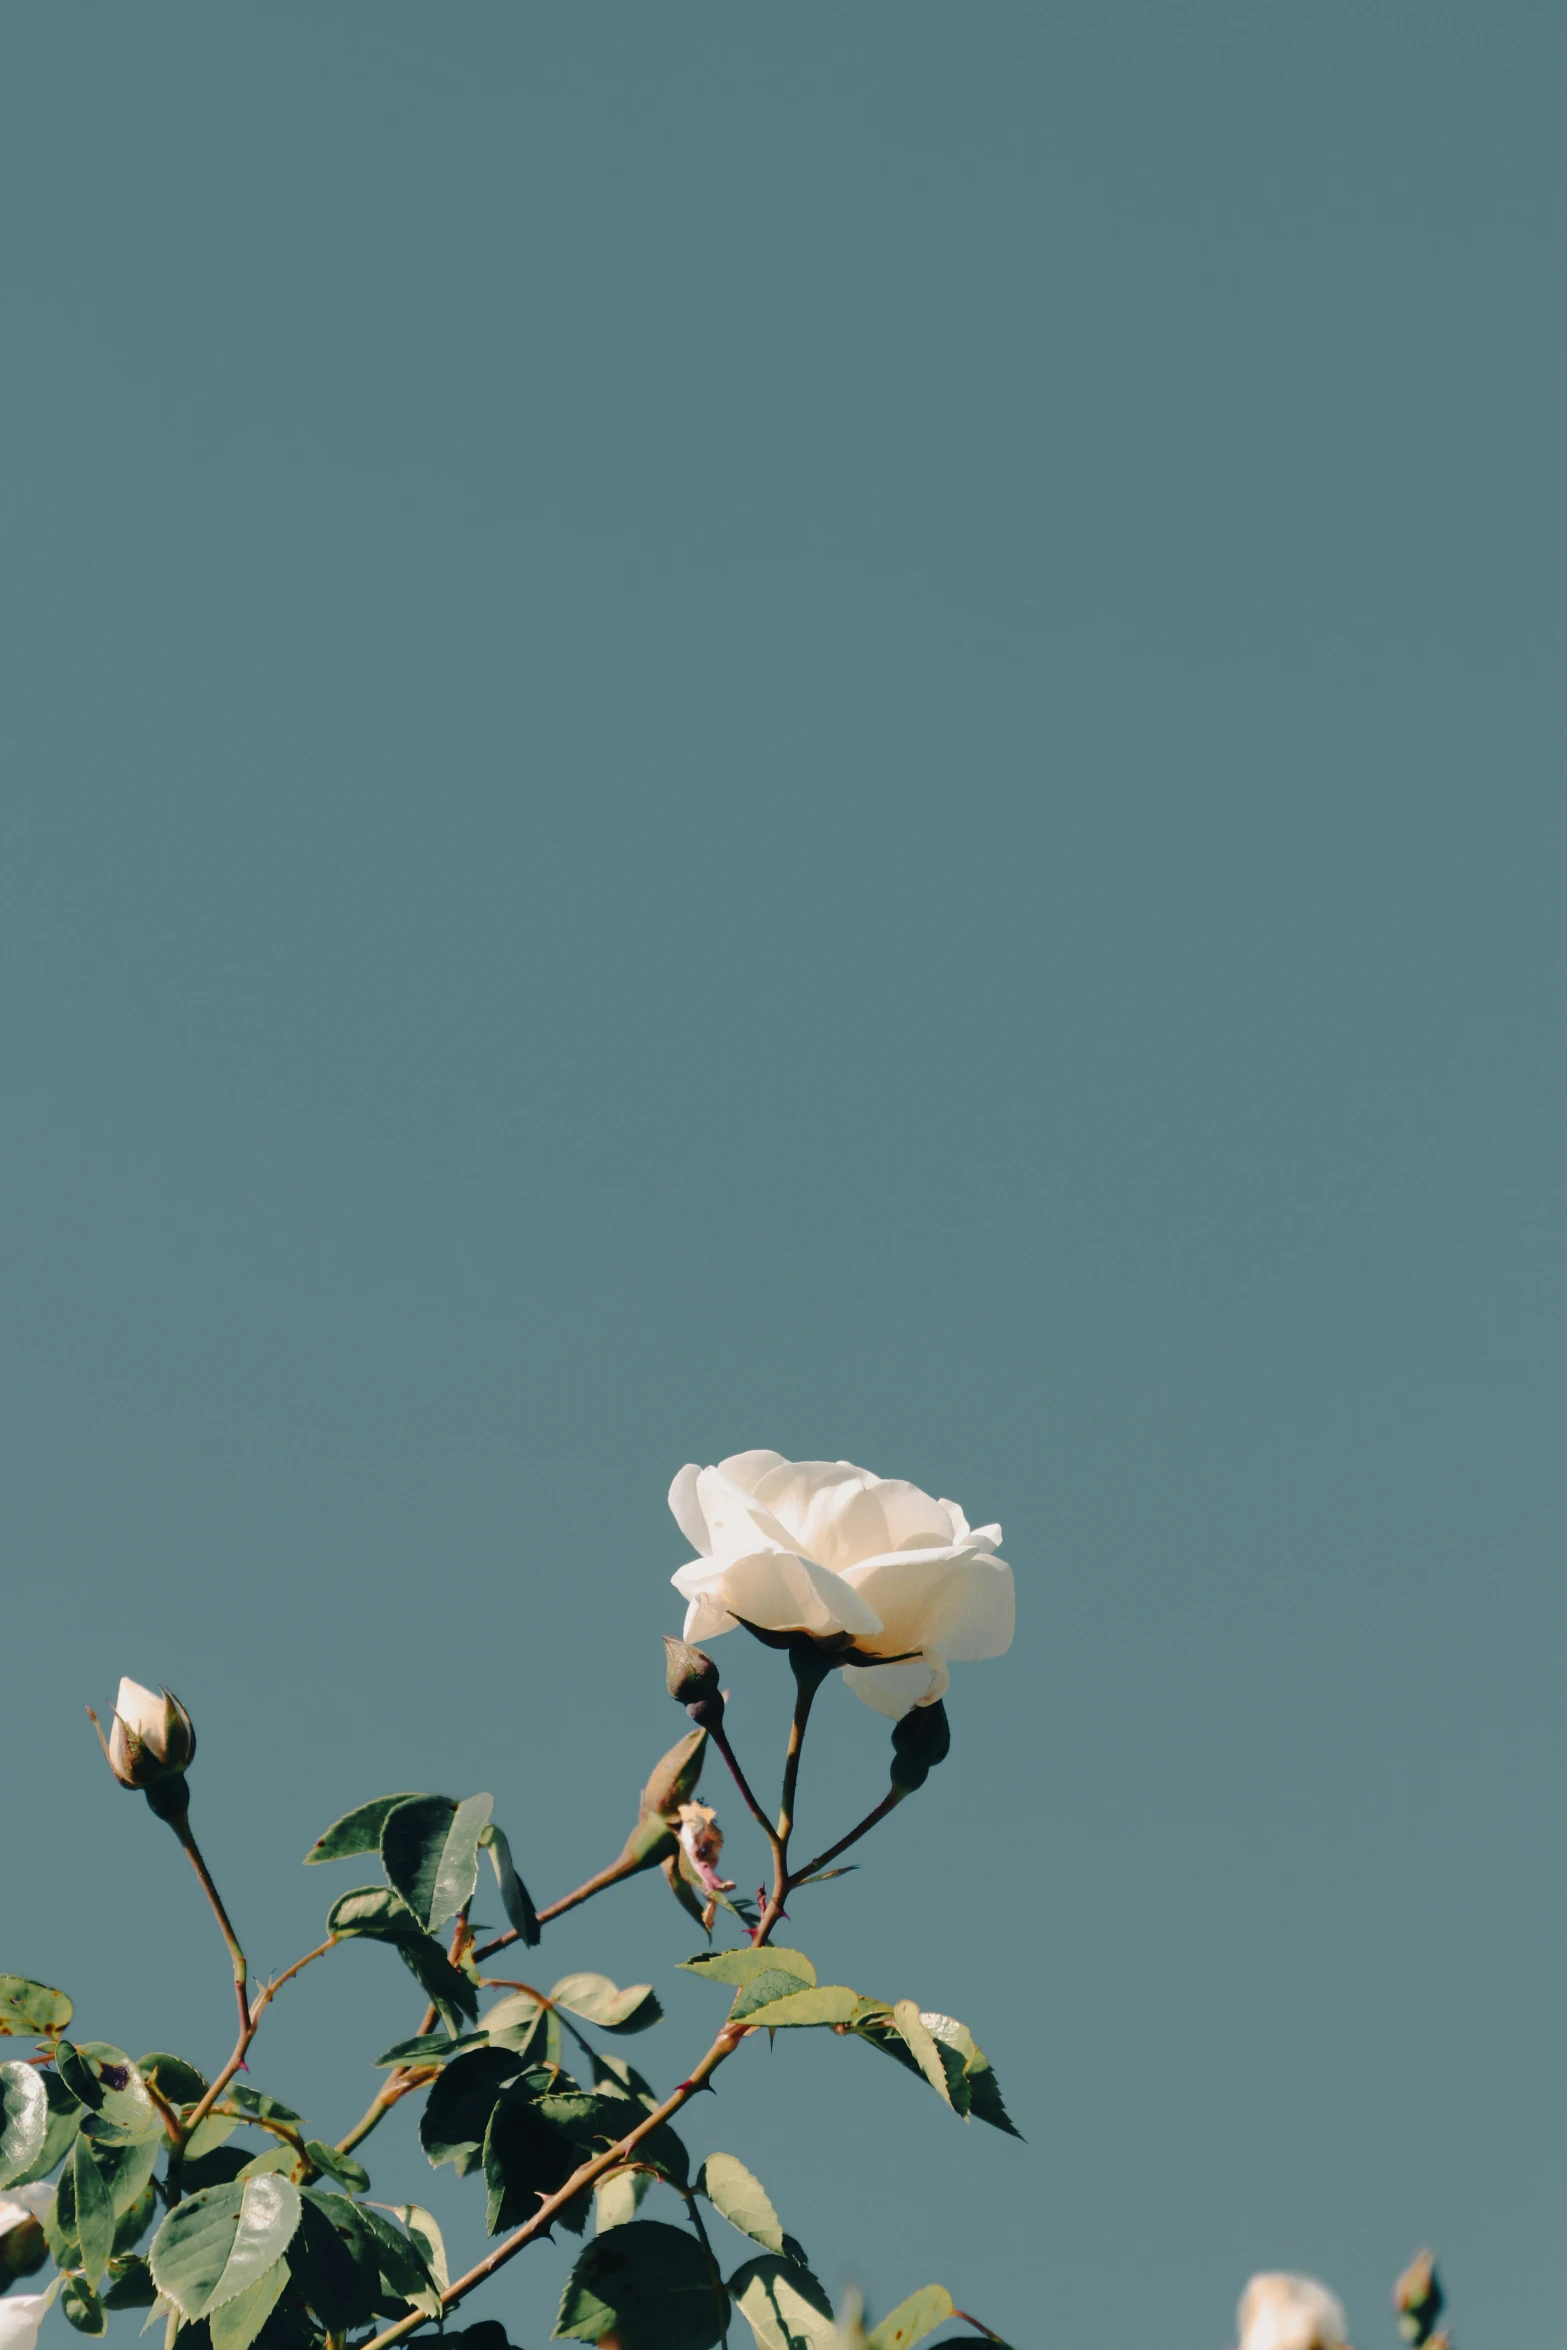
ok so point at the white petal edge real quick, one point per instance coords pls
(895, 1690)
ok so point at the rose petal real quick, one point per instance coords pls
(893, 1689)
(785, 1593)
(687, 1508)
(958, 1603)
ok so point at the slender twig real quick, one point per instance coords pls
(241, 2048)
(179, 1821)
(888, 1803)
(405, 2078)
(720, 1738)
(261, 2121)
(617, 1869)
(612, 2158)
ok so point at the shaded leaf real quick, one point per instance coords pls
(432, 2048)
(104, 2080)
(912, 2320)
(922, 2046)
(743, 2200)
(525, 2157)
(92, 2215)
(235, 2325)
(457, 2111)
(220, 2240)
(24, 2120)
(130, 2284)
(26, 2006)
(256, 2101)
(82, 2307)
(648, 2285)
(403, 2265)
(280, 2157)
(596, 1999)
(380, 1914)
(784, 2305)
(336, 2259)
(429, 1850)
(981, 2093)
(216, 2130)
(218, 2169)
(342, 2167)
(451, 1994)
(358, 1830)
(515, 1897)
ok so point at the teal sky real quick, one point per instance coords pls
(836, 729)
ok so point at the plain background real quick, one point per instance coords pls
(830, 728)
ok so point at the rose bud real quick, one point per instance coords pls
(1281, 2312)
(702, 1840)
(1418, 2299)
(920, 1740)
(23, 2245)
(692, 1680)
(153, 1737)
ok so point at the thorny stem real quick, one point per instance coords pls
(720, 1738)
(606, 1877)
(586, 2175)
(188, 2128)
(401, 2082)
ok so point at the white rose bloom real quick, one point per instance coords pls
(822, 1547)
(21, 2315)
(1281, 2312)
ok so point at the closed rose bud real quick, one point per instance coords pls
(920, 1740)
(702, 1840)
(153, 1737)
(23, 2245)
(1283, 2312)
(1418, 2299)
(675, 1775)
(692, 1680)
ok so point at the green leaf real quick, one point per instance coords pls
(336, 2260)
(979, 2093)
(743, 2200)
(784, 2305)
(127, 2171)
(743, 1966)
(404, 2267)
(280, 2157)
(425, 2231)
(371, 1909)
(830, 2003)
(219, 2241)
(93, 2212)
(457, 2111)
(647, 2284)
(235, 2324)
(215, 2131)
(265, 2108)
(922, 2046)
(26, 2006)
(596, 2000)
(172, 2077)
(514, 2022)
(64, 2119)
(379, 1913)
(132, 2223)
(430, 1852)
(342, 2167)
(912, 2320)
(515, 1897)
(130, 2283)
(451, 1994)
(525, 2156)
(357, 1831)
(617, 2196)
(432, 2048)
(24, 2120)
(109, 2085)
(82, 2307)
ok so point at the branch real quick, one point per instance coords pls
(241, 2047)
(586, 2175)
(720, 1738)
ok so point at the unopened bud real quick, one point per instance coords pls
(692, 1680)
(23, 2245)
(1418, 2299)
(675, 1776)
(920, 1740)
(153, 1737)
(1280, 2311)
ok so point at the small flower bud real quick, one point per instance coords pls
(1418, 2299)
(675, 1776)
(920, 1740)
(1283, 2312)
(702, 1840)
(153, 1737)
(23, 2244)
(692, 1680)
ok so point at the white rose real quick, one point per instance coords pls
(822, 1547)
(1281, 2312)
(21, 2315)
(152, 1736)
